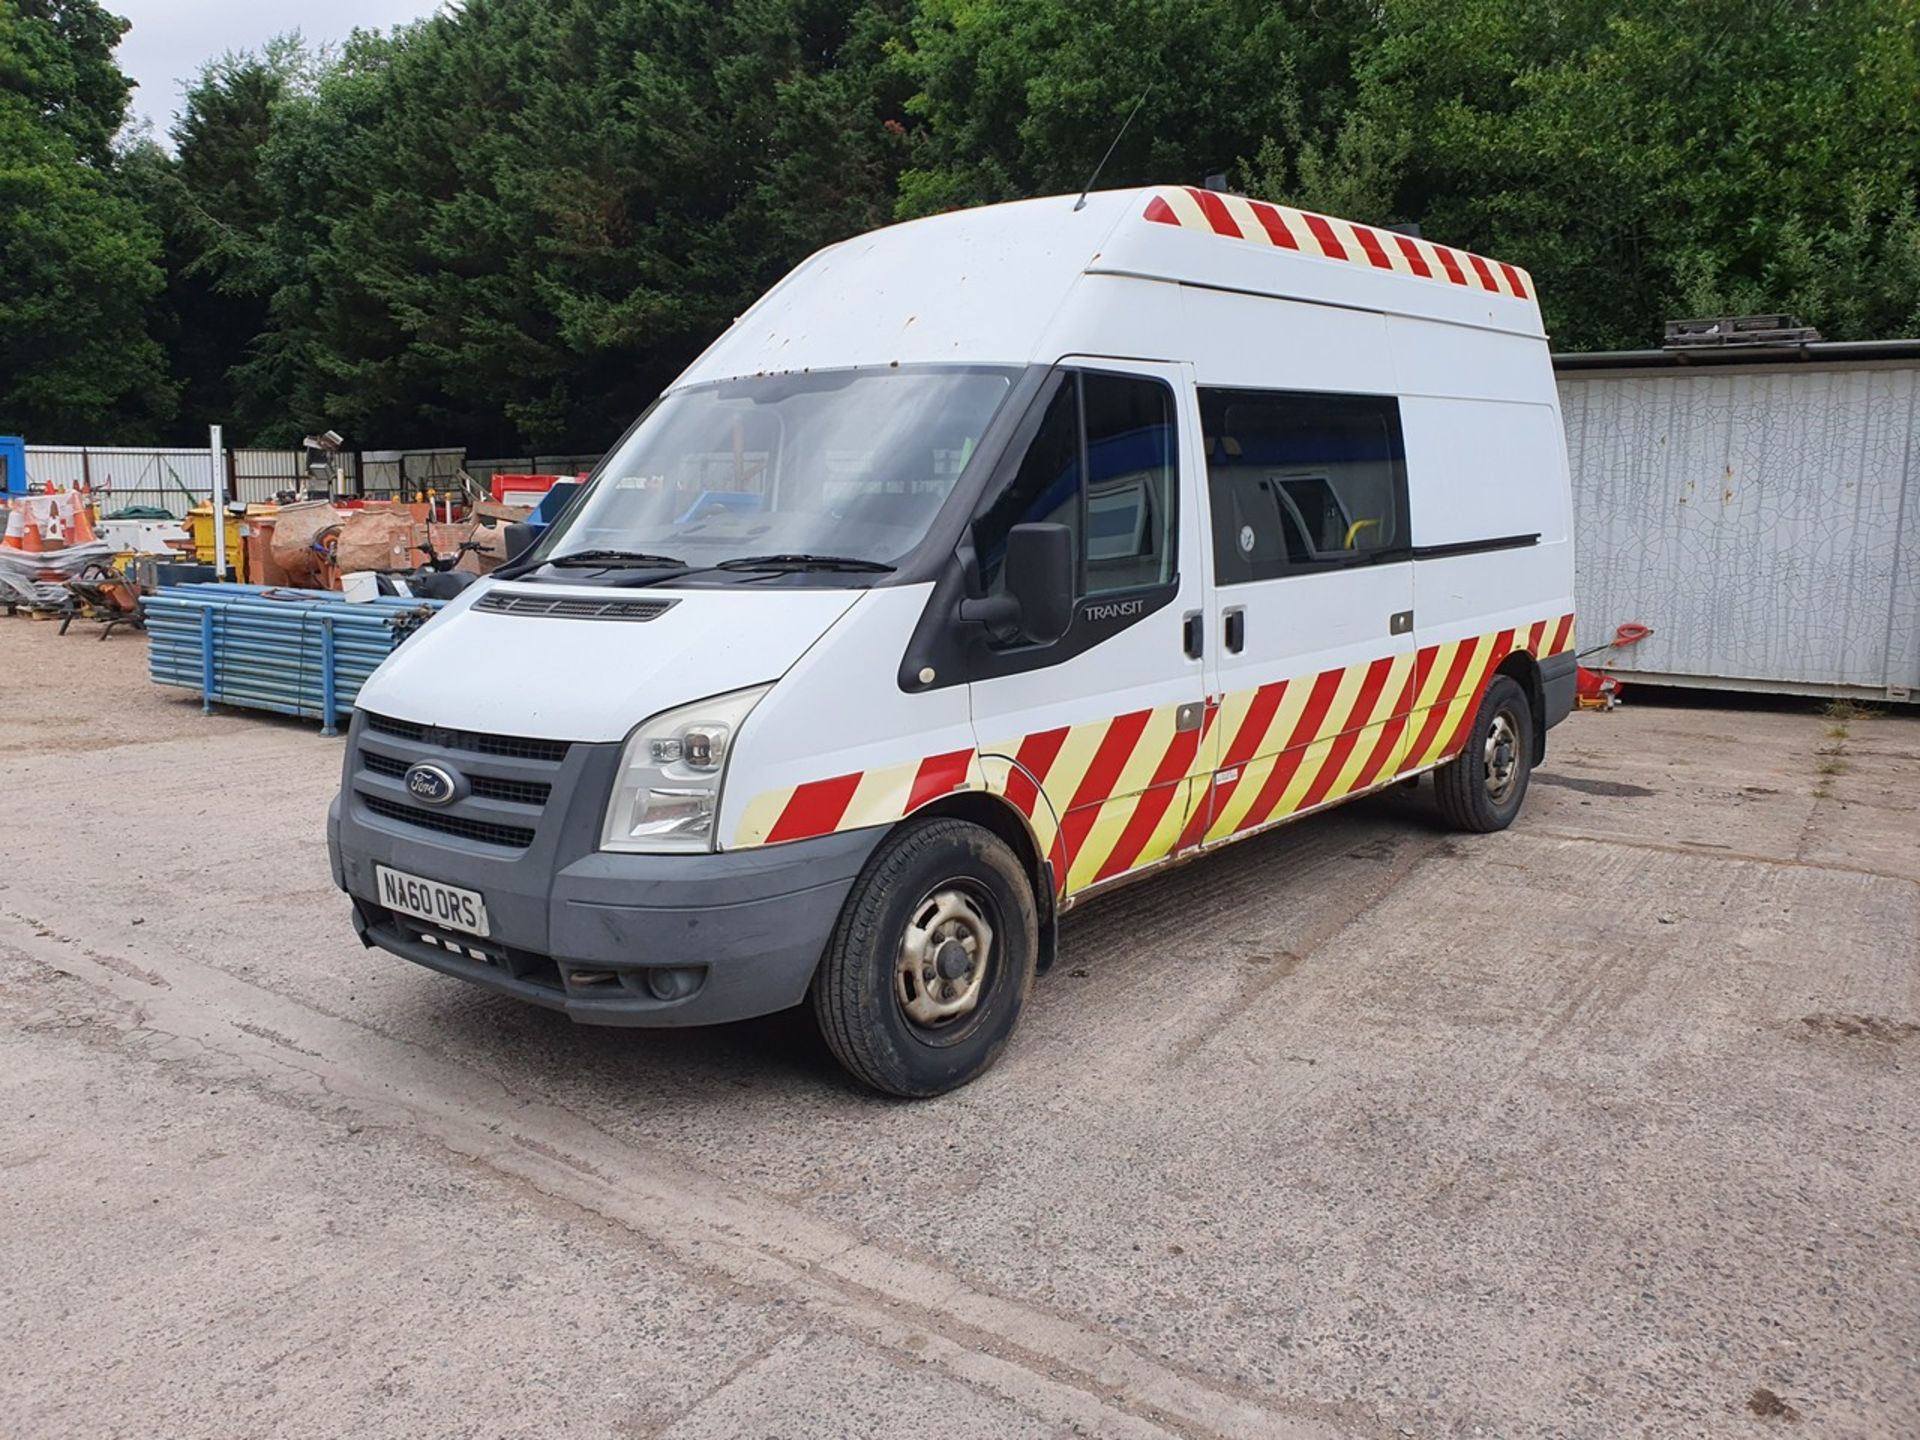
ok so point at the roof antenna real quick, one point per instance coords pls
(1081, 203)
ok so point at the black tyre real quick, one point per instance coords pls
(931, 959)
(1480, 790)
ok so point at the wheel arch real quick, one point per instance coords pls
(1524, 671)
(994, 812)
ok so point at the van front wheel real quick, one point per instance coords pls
(1481, 788)
(930, 962)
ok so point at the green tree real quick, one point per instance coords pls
(509, 225)
(79, 263)
(1645, 159)
(56, 61)
(217, 221)
(547, 207)
(1014, 98)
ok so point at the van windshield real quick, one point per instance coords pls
(824, 467)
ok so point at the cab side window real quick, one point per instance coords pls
(1102, 464)
(1301, 482)
(1130, 537)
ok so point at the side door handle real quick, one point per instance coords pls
(1400, 623)
(1236, 630)
(1193, 635)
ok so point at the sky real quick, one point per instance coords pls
(171, 39)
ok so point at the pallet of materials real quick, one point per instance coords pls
(293, 652)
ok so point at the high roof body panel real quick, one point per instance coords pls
(1229, 242)
(992, 285)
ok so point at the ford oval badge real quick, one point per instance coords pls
(431, 785)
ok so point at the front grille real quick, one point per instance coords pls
(511, 837)
(514, 747)
(568, 607)
(514, 792)
(484, 787)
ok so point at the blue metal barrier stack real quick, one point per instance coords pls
(295, 652)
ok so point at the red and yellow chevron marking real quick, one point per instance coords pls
(1110, 796)
(852, 802)
(1454, 676)
(1301, 744)
(1113, 796)
(1283, 228)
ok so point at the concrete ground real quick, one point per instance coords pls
(1608, 1125)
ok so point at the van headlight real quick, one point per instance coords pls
(667, 794)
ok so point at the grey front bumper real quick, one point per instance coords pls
(610, 939)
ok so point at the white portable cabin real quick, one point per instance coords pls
(1758, 506)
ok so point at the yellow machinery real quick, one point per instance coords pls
(199, 524)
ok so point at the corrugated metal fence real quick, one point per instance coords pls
(177, 480)
(1765, 522)
(485, 470)
(172, 480)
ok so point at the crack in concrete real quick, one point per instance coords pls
(1706, 852)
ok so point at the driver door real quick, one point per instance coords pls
(1105, 736)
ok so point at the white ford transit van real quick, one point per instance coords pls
(986, 563)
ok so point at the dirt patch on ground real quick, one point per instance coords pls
(1769, 1406)
(1877, 1029)
(1613, 789)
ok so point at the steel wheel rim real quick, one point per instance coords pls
(946, 957)
(1502, 754)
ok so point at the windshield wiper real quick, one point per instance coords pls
(604, 559)
(774, 564)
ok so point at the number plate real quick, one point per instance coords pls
(431, 900)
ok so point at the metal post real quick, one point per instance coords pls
(217, 458)
(206, 661)
(326, 677)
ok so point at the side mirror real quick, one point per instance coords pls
(1039, 595)
(519, 539)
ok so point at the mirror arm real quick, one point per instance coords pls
(999, 611)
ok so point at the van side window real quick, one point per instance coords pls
(1101, 464)
(1302, 482)
(1130, 536)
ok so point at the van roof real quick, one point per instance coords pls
(991, 285)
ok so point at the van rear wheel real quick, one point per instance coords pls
(931, 959)
(1480, 790)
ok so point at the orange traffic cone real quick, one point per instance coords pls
(76, 528)
(16, 536)
(30, 539)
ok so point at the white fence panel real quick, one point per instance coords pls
(172, 480)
